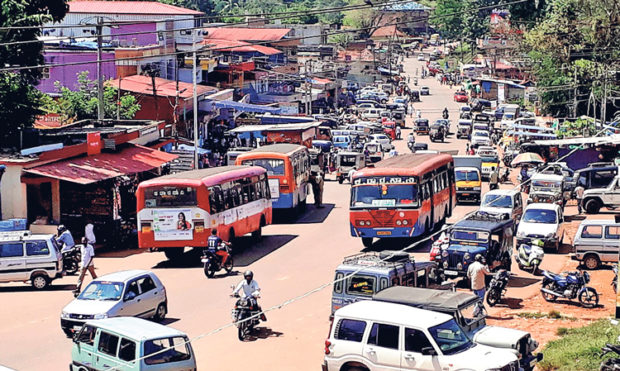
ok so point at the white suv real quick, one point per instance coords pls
(371, 335)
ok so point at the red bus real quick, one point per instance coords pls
(403, 196)
(179, 210)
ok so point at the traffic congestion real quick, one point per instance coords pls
(397, 232)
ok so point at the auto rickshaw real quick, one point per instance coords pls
(421, 126)
(347, 161)
(437, 132)
(389, 128)
(375, 152)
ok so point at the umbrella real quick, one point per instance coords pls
(527, 157)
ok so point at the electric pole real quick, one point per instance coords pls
(575, 91)
(100, 110)
(195, 102)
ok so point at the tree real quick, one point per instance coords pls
(449, 17)
(19, 100)
(82, 103)
(368, 19)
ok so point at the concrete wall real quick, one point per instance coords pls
(67, 75)
(13, 193)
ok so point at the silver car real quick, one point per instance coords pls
(132, 293)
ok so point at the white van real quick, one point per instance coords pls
(371, 113)
(29, 257)
(131, 344)
(596, 242)
(372, 335)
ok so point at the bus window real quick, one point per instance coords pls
(166, 196)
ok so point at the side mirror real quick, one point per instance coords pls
(75, 337)
(429, 351)
(130, 296)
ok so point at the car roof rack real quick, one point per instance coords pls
(14, 235)
(489, 216)
(382, 259)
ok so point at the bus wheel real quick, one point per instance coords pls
(367, 241)
(174, 253)
(257, 234)
(231, 236)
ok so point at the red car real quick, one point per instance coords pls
(461, 96)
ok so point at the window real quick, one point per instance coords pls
(612, 233)
(37, 248)
(395, 281)
(87, 335)
(8, 250)
(350, 329)
(385, 336)
(361, 285)
(176, 350)
(338, 284)
(409, 279)
(164, 196)
(601, 179)
(108, 343)
(127, 350)
(592, 231)
(132, 287)
(416, 340)
(383, 283)
(146, 284)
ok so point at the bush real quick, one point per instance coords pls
(561, 331)
(555, 314)
(579, 348)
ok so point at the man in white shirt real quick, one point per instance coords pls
(88, 254)
(476, 274)
(89, 233)
(248, 288)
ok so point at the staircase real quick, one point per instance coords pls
(185, 162)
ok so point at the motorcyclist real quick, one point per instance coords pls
(64, 238)
(214, 243)
(445, 113)
(248, 289)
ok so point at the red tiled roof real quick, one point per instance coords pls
(163, 88)
(129, 7)
(246, 34)
(238, 46)
(387, 31)
(92, 169)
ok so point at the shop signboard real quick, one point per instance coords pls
(172, 224)
(94, 143)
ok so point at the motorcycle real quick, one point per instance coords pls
(213, 263)
(497, 287)
(529, 257)
(445, 115)
(71, 260)
(410, 146)
(245, 316)
(610, 364)
(569, 286)
(505, 176)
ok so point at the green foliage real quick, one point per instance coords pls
(449, 18)
(580, 348)
(19, 100)
(577, 128)
(341, 39)
(82, 103)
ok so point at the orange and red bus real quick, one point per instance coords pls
(288, 169)
(404, 196)
(180, 210)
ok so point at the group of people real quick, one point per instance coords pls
(87, 251)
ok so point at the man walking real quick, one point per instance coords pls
(579, 196)
(476, 274)
(88, 253)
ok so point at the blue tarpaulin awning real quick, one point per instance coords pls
(246, 107)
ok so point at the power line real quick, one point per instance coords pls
(19, 68)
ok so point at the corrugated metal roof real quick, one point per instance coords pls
(128, 7)
(405, 7)
(163, 88)
(92, 169)
(247, 34)
(239, 47)
(387, 31)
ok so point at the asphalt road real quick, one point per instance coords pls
(294, 258)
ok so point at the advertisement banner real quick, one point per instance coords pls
(500, 93)
(172, 224)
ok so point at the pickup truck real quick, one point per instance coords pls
(468, 178)
(609, 197)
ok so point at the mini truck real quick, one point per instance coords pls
(468, 180)
(460, 305)
(490, 235)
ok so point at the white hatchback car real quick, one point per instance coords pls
(372, 335)
(382, 139)
(541, 221)
(132, 293)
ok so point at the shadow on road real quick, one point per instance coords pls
(169, 320)
(398, 244)
(119, 253)
(69, 287)
(263, 333)
(522, 281)
(511, 303)
(312, 214)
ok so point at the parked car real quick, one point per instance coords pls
(425, 90)
(131, 293)
(130, 344)
(596, 175)
(373, 335)
(382, 139)
(596, 242)
(595, 199)
(25, 256)
(461, 306)
(541, 221)
(503, 201)
(461, 96)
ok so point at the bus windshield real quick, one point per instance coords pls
(273, 166)
(169, 196)
(384, 192)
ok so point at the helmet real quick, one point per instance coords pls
(61, 228)
(247, 274)
(479, 258)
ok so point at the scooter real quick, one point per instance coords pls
(529, 257)
(497, 286)
(569, 286)
(213, 263)
(246, 315)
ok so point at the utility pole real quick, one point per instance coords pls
(118, 103)
(100, 110)
(195, 103)
(575, 91)
(604, 101)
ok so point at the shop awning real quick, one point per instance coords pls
(246, 107)
(92, 169)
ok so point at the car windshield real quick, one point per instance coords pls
(469, 235)
(540, 216)
(466, 175)
(450, 338)
(384, 192)
(348, 160)
(546, 184)
(102, 290)
(481, 134)
(497, 201)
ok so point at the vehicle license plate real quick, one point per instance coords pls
(465, 194)
(451, 273)
(384, 233)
